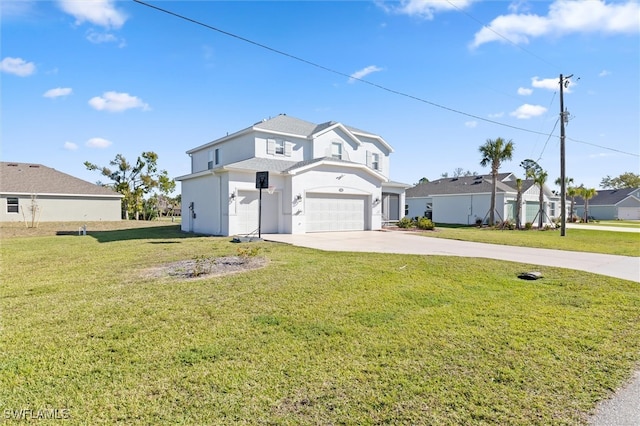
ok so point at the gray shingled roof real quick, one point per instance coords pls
(262, 164)
(465, 185)
(25, 178)
(607, 197)
(286, 124)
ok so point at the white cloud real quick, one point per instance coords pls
(552, 83)
(564, 17)
(425, 9)
(363, 73)
(70, 146)
(98, 12)
(117, 102)
(604, 73)
(96, 37)
(526, 111)
(496, 115)
(524, 91)
(98, 143)
(57, 92)
(17, 66)
(471, 124)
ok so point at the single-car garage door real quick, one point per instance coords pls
(335, 212)
(629, 213)
(248, 212)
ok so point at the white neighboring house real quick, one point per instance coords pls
(464, 200)
(35, 193)
(322, 177)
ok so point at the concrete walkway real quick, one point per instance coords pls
(622, 409)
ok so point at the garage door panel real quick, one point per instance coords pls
(629, 213)
(248, 202)
(325, 212)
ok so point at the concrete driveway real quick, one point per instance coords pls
(402, 242)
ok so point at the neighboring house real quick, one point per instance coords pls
(322, 177)
(611, 204)
(35, 193)
(465, 200)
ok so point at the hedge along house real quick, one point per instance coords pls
(467, 200)
(322, 177)
(612, 204)
(35, 193)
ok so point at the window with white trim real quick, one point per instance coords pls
(336, 150)
(217, 156)
(375, 161)
(12, 205)
(279, 147)
(210, 160)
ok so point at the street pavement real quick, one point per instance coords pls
(623, 409)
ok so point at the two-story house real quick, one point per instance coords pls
(321, 177)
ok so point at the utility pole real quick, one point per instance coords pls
(564, 82)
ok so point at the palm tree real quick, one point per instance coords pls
(494, 152)
(518, 202)
(539, 179)
(572, 192)
(587, 194)
(567, 181)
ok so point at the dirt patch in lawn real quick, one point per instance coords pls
(201, 268)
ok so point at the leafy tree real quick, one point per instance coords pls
(132, 181)
(422, 180)
(625, 180)
(586, 194)
(494, 152)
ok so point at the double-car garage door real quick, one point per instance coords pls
(335, 212)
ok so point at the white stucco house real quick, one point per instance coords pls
(464, 200)
(322, 177)
(36, 193)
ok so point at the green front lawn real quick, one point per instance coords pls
(313, 338)
(587, 240)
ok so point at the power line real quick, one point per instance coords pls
(340, 73)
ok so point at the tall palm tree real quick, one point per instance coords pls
(567, 182)
(587, 194)
(494, 152)
(539, 179)
(518, 202)
(572, 192)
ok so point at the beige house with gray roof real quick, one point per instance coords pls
(33, 192)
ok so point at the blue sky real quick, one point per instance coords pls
(86, 80)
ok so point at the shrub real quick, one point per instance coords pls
(478, 222)
(424, 223)
(507, 224)
(528, 226)
(405, 222)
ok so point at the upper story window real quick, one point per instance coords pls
(216, 156)
(279, 147)
(375, 161)
(210, 160)
(12, 205)
(336, 150)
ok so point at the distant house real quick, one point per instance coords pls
(321, 177)
(33, 192)
(612, 204)
(466, 200)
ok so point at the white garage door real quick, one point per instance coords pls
(629, 213)
(248, 212)
(333, 212)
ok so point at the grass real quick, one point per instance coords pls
(585, 240)
(313, 338)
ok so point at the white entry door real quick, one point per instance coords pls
(335, 212)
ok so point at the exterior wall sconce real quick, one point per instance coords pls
(298, 198)
(232, 196)
(376, 201)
